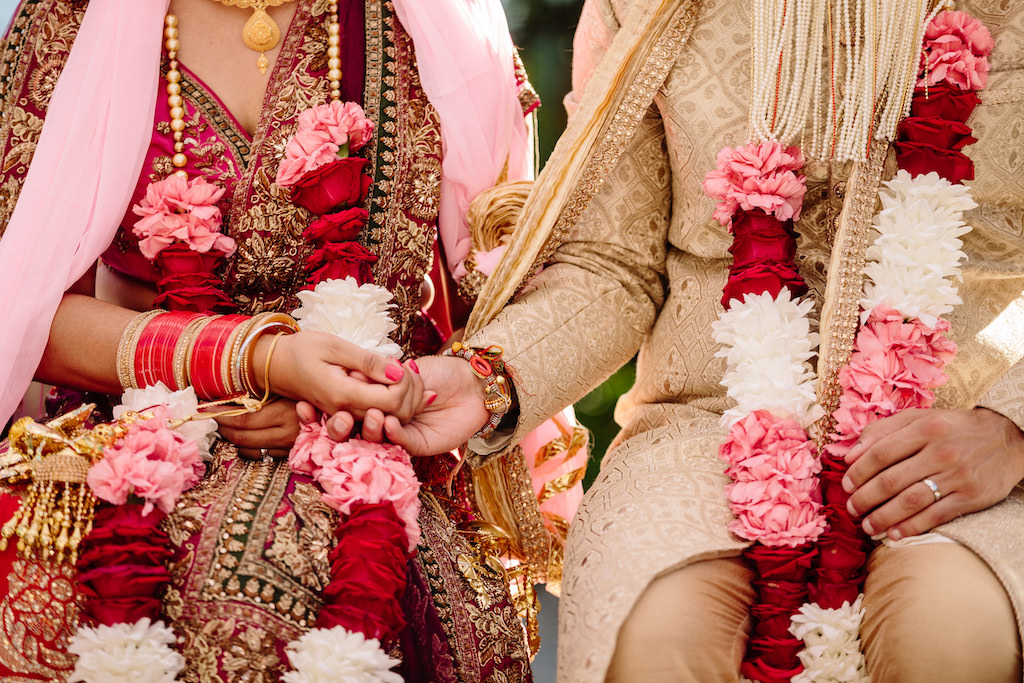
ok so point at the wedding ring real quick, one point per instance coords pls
(265, 455)
(935, 489)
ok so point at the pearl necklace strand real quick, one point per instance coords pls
(176, 105)
(836, 73)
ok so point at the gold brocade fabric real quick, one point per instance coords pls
(251, 540)
(643, 272)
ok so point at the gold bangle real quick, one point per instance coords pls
(126, 348)
(266, 367)
(187, 355)
(183, 348)
(278, 321)
(233, 379)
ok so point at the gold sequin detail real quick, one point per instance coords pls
(841, 316)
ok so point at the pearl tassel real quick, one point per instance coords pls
(870, 49)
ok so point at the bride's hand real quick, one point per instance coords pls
(273, 429)
(317, 367)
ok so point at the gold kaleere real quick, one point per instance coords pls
(260, 33)
(57, 509)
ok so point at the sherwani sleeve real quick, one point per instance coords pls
(585, 314)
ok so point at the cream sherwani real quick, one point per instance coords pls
(643, 271)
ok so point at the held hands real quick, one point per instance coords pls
(973, 457)
(324, 372)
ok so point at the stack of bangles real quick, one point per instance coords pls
(211, 353)
(488, 366)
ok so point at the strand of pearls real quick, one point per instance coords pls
(334, 53)
(870, 49)
(176, 104)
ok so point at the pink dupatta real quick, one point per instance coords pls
(87, 163)
(466, 65)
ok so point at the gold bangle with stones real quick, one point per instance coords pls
(126, 347)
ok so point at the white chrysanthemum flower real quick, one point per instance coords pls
(125, 653)
(180, 404)
(931, 188)
(832, 652)
(917, 253)
(357, 313)
(767, 343)
(331, 655)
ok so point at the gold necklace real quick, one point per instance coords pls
(176, 103)
(260, 33)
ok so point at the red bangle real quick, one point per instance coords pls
(154, 354)
(205, 363)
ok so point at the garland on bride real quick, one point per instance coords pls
(809, 553)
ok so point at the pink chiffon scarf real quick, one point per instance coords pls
(85, 167)
(466, 57)
(99, 126)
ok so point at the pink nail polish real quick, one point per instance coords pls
(415, 368)
(849, 508)
(431, 398)
(394, 372)
(869, 528)
(848, 485)
(895, 534)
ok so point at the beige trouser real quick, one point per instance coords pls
(933, 613)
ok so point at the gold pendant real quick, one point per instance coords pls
(261, 34)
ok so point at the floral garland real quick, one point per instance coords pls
(372, 486)
(808, 610)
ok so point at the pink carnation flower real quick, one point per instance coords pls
(760, 447)
(152, 462)
(775, 515)
(312, 448)
(366, 472)
(176, 208)
(758, 176)
(306, 151)
(344, 122)
(956, 49)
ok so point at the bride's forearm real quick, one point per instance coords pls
(82, 350)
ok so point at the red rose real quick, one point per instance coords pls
(187, 280)
(126, 517)
(772, 621)
(832, 594)
(198, 299)
(337, 227)
(123, 581)
(335, 261)
(762, 277)
(919, 158)
(788, 594)
(782, 563)
(374, 620)
(760, 237)
(944, 101)
(110, 611)
(842, 552)
(758, 670)
(110, 554)
(777, 653)
(339, 183)
(179, 258)
(936, 131)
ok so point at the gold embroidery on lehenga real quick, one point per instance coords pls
(37, 616)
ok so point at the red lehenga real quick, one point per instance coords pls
(251, 540)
